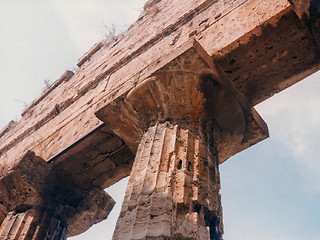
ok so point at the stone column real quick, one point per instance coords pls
(33, 224)
(173, 191)
(43, 206)
(182, 121)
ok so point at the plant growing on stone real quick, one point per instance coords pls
(110, 36)
(47, 84)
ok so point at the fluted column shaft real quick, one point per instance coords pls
(173, 190)
(182, 121)
(40, 204)
(33, 224)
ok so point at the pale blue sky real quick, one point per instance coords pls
(269, 192)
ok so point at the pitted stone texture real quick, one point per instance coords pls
(99, 160)
(185, 119)
(34, 183)
(190, 87)
(309, 12)
(261, 45)
(220, 26)
(32, 224)
(94, 208)
(173, 190)
(23, 184)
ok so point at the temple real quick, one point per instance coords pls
(165, 103)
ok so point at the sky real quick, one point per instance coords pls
(269, 192)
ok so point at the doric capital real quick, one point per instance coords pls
(22, 185)
(34, 184)
(187, 89)
(93, 208)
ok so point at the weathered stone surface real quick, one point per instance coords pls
(3, 213)
(22, 184)
(176, 90)
(99, 160)
(89, 54)
(257, 64)
(93, 208)
(6, 128)
(262, 46)
(35, 184)
(173, 190)
(33, 224)
(185, 119)
(309, 12)
(220, 26)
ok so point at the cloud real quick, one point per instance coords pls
(294, 117)
(34, 46)
(41, 39)
(90, 17)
